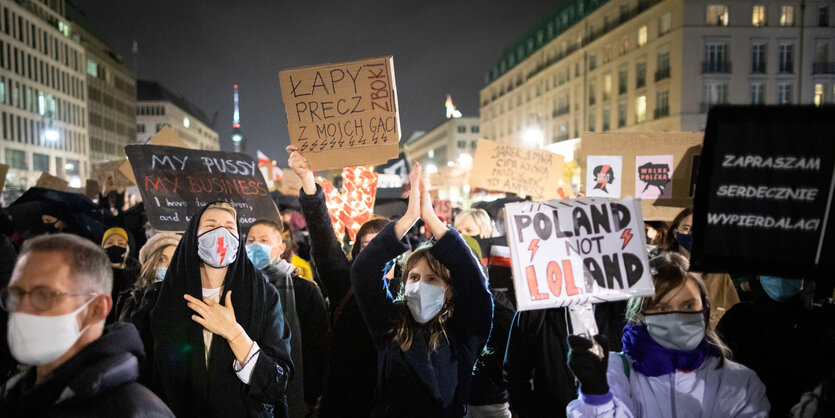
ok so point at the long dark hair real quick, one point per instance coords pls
(372, 226)
(668, 240)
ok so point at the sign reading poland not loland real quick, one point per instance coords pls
(577, 251)
(176, 182)
(342, 115)
(764, 197)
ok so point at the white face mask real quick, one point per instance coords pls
(424, 300)
(218, 247)
(39, 340)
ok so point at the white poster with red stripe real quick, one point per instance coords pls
(577, 251)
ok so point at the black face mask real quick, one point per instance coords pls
(116, 253)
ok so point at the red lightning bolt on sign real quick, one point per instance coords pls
(627, 236)
(533, 248)
(221, 249)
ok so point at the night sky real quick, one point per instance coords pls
(200, 49)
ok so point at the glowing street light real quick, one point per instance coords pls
(533, 136)
(50, 133)
(431, 168)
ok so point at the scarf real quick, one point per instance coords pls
(651, 359)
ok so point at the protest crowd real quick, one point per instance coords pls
(415, 316)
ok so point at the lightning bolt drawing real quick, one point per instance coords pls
(221, 249)
(627, 236)
(533, 248)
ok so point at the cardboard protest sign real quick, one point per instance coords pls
(344, 114)
(682, 146)
(524, 171)
(577, 251)
(48, 181)
(176, 182)
(653, 176)
(764, 201)
(109, 173)
(166, 136)
(605, 173)
(291, 183)
(4, 169)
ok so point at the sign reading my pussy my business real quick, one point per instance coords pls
(764, 201)
(345, 114)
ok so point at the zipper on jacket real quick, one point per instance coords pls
(673, 393)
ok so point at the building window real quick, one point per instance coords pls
(716, 55)
(607, 86)
(758, 58)
(592, 62)
(592, 122)
(606, 118)
(758, 16)
(717, 15)
(623, 79)
(757, 93)
(642, 36)
(784, 93)
(621, 115)
(823, 16)
(641, 109)
(92, 68)
(786, 65)
(474, 129)
(40, 162)
(663, 66)
(662, 104)
(664, 23)
(714, 93)
(16, 159)
(462, 144)
(140, 129)
(473, 144)
(640, 75)
(591, 94)
(160, 126)
(786, 15)
(819, 99)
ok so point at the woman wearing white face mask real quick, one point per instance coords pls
(428, 341)
(672, 364)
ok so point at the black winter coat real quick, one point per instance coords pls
(99, 381)
(352, 377)
(537, 350)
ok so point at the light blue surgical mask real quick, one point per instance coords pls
(682, 331)
(259, 254)
(780, 289)
(161, 272)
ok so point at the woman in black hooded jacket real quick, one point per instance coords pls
(223, 351)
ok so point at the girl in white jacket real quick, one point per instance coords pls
(671, 364)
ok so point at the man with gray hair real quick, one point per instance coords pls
(58, 300)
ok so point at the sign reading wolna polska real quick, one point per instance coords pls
(764, 201)
(176, 182)
(342, 115)
(577, 251)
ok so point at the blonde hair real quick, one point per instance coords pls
(148, 273)
(669, 272)
(481, 219)
(403, 329)
(224, 207)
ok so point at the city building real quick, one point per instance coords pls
(43, 110)
(656, 65)
(157, 107)
(111, 92)
(446, 153)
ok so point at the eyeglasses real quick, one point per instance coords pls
(40, 297)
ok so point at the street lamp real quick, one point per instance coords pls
(50, 133)
(533, 136)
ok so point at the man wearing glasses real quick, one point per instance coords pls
(58, 300)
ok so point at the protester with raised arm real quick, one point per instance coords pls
(429, 337)
(352, 373)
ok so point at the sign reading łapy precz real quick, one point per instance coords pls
(577, 251)
(342, 115)
(176, 182)
(764, 201)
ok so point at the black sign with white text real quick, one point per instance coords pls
(176, 182)
(764, 198)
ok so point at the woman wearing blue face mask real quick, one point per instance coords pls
(428, 340)
(672, 364)
(720, 287)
